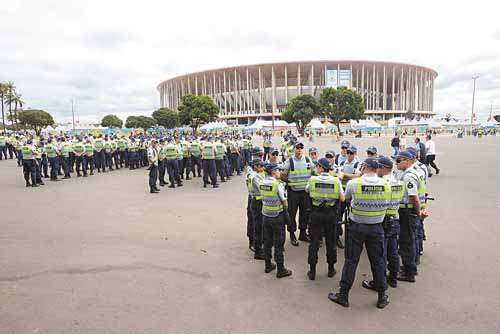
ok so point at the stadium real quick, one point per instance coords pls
(261, 91)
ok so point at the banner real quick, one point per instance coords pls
(331, 79)
(345, 78)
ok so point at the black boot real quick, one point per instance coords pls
(392, 280)
(293, 239)
(303, 236)
(269, 267)
(341, 298)
(405, 277)
(251, 245)
(312, 272)
(259, 254)
(331, 270)
(370, 285)
(383, 300)
(340, 244)
(283, 272)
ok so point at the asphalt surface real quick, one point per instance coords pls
(102, 255)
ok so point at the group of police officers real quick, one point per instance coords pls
(380, 200)
(178, 156)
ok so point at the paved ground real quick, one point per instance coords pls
(101, 255)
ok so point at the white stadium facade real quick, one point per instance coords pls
(250, 92)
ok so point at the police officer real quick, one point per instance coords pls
(162, 162)
(51, 151)
(274, 155)
(391, 222)
(88, 157)
(348, 170)
(208, 162)
(254, 231)
(38, 163)
(79, 150)
(172, 157)
(409, 210)
(313, 154)
(28, 151)
(66, 149)
(369, 196)
(195, 150)
(325, 192)
(99, 155)
(371, 152)
(267, 144)
(220, 151)
(186, 159)
(297, 171)
(3, 146)
(342, 156)
(153, 169)
(274, 204)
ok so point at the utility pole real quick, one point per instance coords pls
(474, 78)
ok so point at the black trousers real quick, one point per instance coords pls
(372, 237)
(407, 229)
(322, 222)
(429, 160)
(29, 170)
(274, 236)
(298, 200)
(258, 233)
(153, 176)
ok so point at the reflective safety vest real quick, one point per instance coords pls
(185, 150)
(298, 178)
(195, 149)
(397, 193)
(170, 152)
(370, 200)
(324, 191)
(271, 203)
(78, 148)
(107, 146)
(99, 145)
(38, 153)
(267, 142)
(27, 152)
(208, 151)
(421, 193)
(232, 147)
(67, 147)
(219, 151)
(50, 150)
(3, 140)
(121, 145)
(247, 144)
(161, 153)
(290, 150)
(89, 149)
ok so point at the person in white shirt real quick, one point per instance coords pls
(430, 147)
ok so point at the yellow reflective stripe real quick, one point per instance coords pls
(391, 212)
(258, 198)
(406, 206)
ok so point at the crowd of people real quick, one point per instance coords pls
(178, 157)
(378, 202)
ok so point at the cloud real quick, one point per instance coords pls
(496, 34)
(107, 39)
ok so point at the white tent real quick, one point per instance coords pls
(365, 124)
(316, 124)
(214, 126)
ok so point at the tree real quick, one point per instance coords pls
(196, 110)
(341, 104)
(144, 122)
(35, 119)
(9, 97)
(301, 110)
(3, 92)
(111, 121)
(410, 114)
(166, 117)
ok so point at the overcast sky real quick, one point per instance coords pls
(109, 55)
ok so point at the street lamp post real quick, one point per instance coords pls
(474, 78)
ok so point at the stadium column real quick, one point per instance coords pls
(393, 107)
(350, 76)
(373, 87)
(299, 85)
(248, 92)
(363, 85)
(286, 85)
(384, 91)
(273, 92)
(260, 90)
(311, 81)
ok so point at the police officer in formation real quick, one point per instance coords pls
(386, 200)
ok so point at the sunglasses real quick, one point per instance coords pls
(350, 153)
(275, 154)
(300, 147)
(329, 156)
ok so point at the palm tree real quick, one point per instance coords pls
(11, 89)
(17, 102)
(3, 91)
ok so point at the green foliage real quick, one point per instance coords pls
(166, 117)
(341, 104)
(197, 110)
(35, 119)
(301, 110)
(111, 121)
(144, 122)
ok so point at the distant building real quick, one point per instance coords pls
(245, 93)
